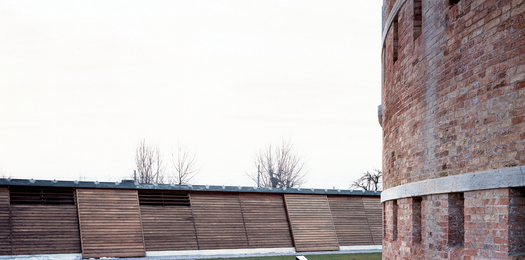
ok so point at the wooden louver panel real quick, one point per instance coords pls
(265, 220)
(350, 220)
(41, 196)
(43, 221)
(110, 223)
(168, 225)
(373, 211)
(163, 198)
(311, 222)
(218, 220)
(5, 227)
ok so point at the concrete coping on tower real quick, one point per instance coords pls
(380, 115)
(395, 9)
(131, 184)
(492, 179)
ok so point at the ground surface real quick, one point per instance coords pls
(367, 256)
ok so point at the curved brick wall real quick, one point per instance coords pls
(453, 103)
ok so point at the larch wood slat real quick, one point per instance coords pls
(167, 220)
(373, 211)
(350, 220)
(20, 195)
(218, 220)
(312, 225)
(110, 223)
(265, 220)
(168, 228)
(44, 229)
(5, 227)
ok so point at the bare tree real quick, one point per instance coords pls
(279, 167)
(81, 177)
(369, 181)
(184, 167)
(3, 175)
(148, 164)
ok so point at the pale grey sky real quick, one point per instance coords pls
(81, 82)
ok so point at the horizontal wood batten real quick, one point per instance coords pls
(5, 227)
(164, 198)
(373, 212)
(350, 221)
(265, 220)
(41, 196)
(103, 232)
(49, 233)
(218, 225)
(168, 228)
(311, 222)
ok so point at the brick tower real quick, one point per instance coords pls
(453, 118)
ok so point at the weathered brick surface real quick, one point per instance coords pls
(390, 223)
(484, 224)
(434, 229)
(454, 103)
(407, 244)
(517, 222)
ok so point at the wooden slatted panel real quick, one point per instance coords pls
(373, 211)
(218, 220)
(168, 228)
(110, 223)
(41, 196)
(351, 224)
(44, 229)
(311, 222)
(265, 220)
(5, 227)
(163, 198)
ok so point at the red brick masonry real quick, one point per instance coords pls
(432, 229)
(453, 103)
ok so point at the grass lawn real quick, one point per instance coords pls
(367, 256)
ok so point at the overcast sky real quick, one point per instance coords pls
(82, 82)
